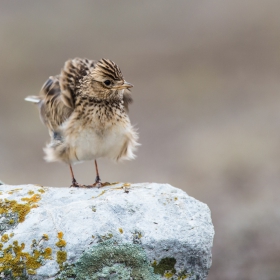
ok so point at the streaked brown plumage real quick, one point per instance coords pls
(85, 110)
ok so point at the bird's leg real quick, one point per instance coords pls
(97, 179)
(74, 182)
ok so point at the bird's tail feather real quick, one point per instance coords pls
(33, 98)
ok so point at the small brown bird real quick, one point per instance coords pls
(85, 109)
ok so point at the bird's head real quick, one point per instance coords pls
(106, 80)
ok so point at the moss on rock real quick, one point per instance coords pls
(166, 267)
(115, 261)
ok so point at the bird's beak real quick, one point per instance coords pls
(125, 85)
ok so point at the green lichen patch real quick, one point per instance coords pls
(8, 221)
(115, 261)
(116, 271)
(18, 264)
(165, 267)
(68, 272)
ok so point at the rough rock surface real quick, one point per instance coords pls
(139, 231)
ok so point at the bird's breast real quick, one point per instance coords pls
(92, 144)
(98, 136)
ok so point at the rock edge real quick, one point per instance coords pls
(137, 231)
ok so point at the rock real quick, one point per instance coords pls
(140, 231)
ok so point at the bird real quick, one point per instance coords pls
(85, 109)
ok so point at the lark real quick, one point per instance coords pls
(85, 109)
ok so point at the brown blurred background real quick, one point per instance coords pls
(206, 102)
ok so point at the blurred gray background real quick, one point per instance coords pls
(206, 102)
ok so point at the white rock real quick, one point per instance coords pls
(153, 231)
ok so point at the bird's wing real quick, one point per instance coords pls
(74, 70)
(53, 111)
(57, 97)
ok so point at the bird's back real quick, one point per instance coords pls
(58, 95)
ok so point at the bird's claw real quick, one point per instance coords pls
(98, 185)
(75, 184)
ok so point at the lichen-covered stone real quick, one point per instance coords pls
(139, 231)
(118, 261)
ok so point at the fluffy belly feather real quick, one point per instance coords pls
(92, 144)
(117, 142)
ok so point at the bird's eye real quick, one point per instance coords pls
(107, 82)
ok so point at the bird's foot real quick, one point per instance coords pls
(99, 185)
(75, 184)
